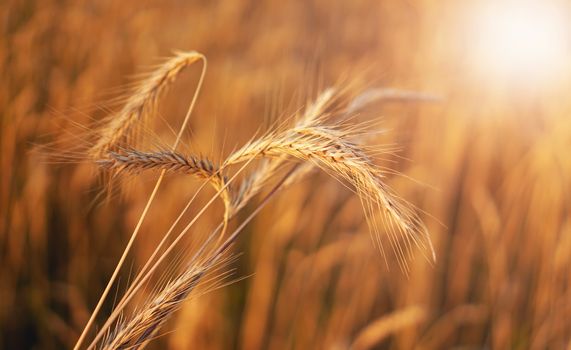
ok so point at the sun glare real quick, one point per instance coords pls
(522, 39)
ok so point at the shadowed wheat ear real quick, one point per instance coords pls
(134, 161)
(151, 317)
(141, 104)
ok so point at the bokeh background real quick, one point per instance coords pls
(491, 165)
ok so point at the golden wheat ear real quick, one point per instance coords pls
(334, 149)
(124, 125)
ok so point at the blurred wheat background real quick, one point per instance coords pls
(489, 166)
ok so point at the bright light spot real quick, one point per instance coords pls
(522, 39)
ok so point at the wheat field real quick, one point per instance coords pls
(281, 175)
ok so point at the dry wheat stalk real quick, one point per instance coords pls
(137, 108)
(372, 335)
(136, 332)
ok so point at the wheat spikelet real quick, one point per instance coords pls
(141, 103)
(135, 161)
(137, 331)
(252, 185)
(138, 107)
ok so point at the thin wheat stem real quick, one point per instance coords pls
(147, 322)
(170, 248)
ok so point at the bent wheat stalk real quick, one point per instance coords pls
(149, 92)
(250, 187)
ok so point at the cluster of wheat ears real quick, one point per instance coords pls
(321, 135)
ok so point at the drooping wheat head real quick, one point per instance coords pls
(333, 150)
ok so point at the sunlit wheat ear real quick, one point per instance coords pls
(124, 124)
(329, 149)
(334, 150)
(314, 113)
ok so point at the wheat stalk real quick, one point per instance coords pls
(332, 149)
(117, 127)
(136, 332)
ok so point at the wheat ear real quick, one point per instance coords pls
(134, 161)
(327, 148)
(141, 104)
